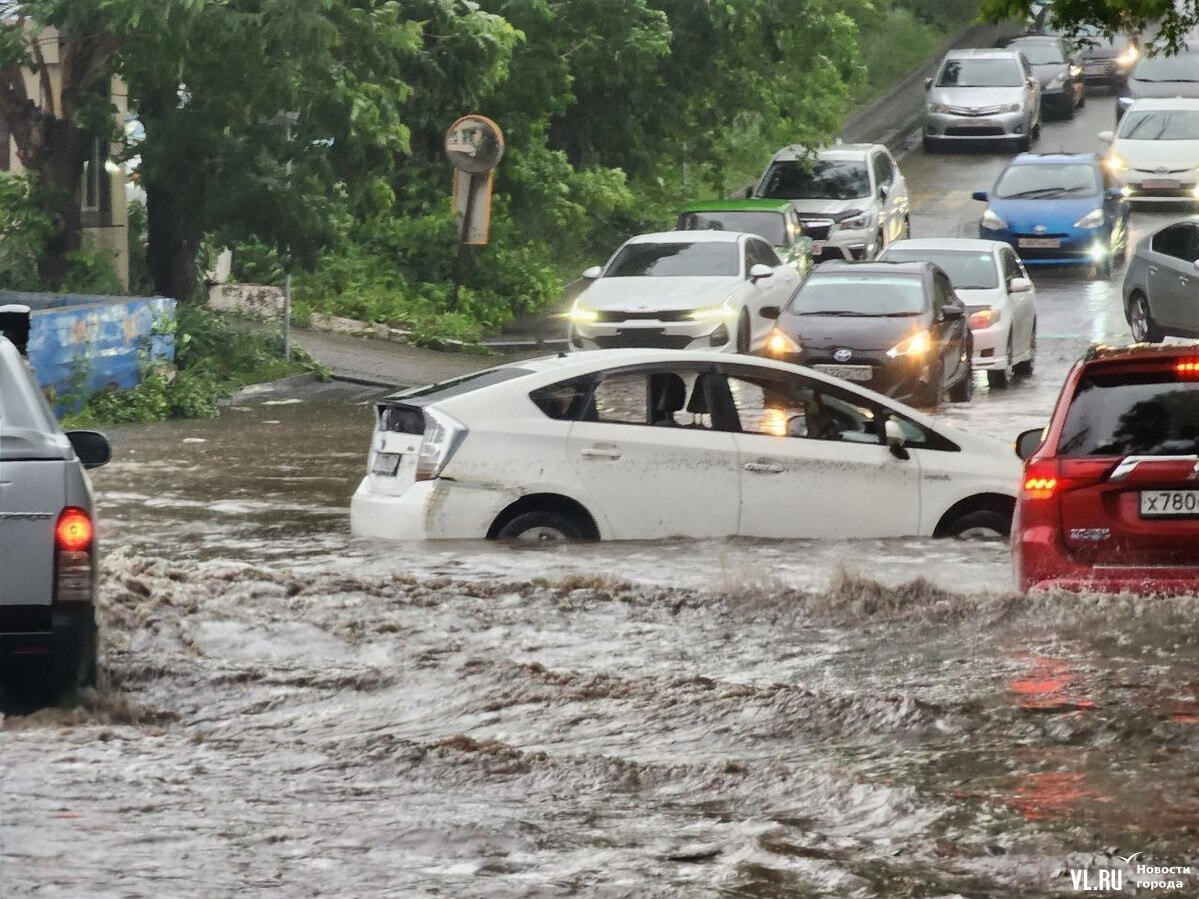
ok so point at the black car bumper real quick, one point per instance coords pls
(903, 377)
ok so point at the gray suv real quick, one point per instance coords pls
(982, 95)
(47, 532)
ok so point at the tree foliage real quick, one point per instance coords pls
(1165, 22)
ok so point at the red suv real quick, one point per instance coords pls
(1110, 496)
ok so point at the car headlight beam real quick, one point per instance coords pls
(1092, 219)
(913, 345)
(707, 313)
(992, 221)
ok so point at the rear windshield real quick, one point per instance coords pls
(443, 390)
(675, 260)
(967, 269)
(982, 72)
(767, 225)
(860, 295)
(1122, 415)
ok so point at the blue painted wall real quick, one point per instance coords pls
(108, 334)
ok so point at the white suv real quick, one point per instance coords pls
(47, 533)
(851, 198)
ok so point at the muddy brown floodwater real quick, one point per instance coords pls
(290, 711)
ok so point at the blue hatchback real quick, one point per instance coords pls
(1058, 209)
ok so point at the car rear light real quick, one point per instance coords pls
(442, 436)
(74, 544)
(984, 318)
(1188, 368)
(1047, 478)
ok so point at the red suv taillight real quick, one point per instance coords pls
(1047, 478)
(74, 544)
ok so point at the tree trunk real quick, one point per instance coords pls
(171, 243)
(58, 162)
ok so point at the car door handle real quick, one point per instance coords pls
(763, 467)
(600, 452)
(1153, 269)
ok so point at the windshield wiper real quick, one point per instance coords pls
(1035, 192)
(894, 314)
(837, 312)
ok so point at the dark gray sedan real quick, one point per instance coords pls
(1059, 71)
(1161, 288)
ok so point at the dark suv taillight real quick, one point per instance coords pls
(74, 549)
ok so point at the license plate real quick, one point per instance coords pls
(386, 464)
(1170, 503)
(1095, 68)
(847, 372)
(1160, 184)
(1040, 243)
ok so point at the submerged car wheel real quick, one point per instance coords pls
(541, 527)
(1002, 377)
(981, 524)
(1144, 328)
(963, 390)
(1026, 367)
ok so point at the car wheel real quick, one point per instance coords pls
(542, 527)
(980, 524)
(963, 390)
(1002, 377)
(1144, 328)
(1026, 367)
(73, 662)
(743, 336)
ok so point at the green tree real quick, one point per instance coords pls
(1168, 21)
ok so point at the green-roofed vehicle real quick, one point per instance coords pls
(773, 220)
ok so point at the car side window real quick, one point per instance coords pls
(884, 172)
(780, 406)
(1011, 266)
(760, 252)
(1172, 241)
(674, 397)
(564, 401)
(917, 436)
(942, 292)
(1192, 251)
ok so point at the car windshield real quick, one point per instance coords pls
(675, 259)
(970, 72)
(967, 269)
(766, 224)
(864, 294)
(1120, 415)
(1047, 180)
(1041, 53)
(1160, 124)
(825, 180)
(1183, 67)
(1095, 43)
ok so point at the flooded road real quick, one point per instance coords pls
(293, 711)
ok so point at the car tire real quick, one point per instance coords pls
(743, 334)
(999, 378)
(963, 390)
(542, 526)
(1140, 317)
(73, 663)
(1025, 368)
(979, 524)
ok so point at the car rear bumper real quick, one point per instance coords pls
(426, 510)
(990, 346)
(1041, 562)
(43, 630)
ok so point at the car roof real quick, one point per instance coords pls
(757, 205)
(915, 267)
(836, 151)
(1165, 103)
(688, 237)
(982, 53)
(969, 244)
(1055, 158)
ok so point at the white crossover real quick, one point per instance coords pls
(645, 444)
(1000, 299)
(683, 290)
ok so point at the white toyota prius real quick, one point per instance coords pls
(643, 444)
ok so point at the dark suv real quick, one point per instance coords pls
(47, 532)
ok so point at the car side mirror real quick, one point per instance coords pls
(1028, 441)
(895, 439)
(759, 271)
(1019, 285)
(952, 312)
(773, 311)
(592, 273)
(91, 447)
(1197, 265)
(1107, 136)
(980, 195)
(928, 84)
(749, 192)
